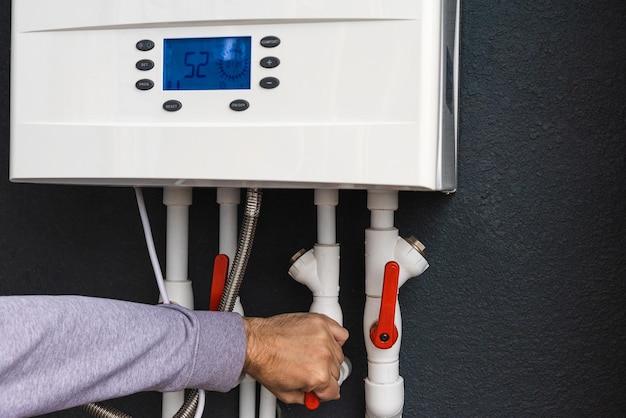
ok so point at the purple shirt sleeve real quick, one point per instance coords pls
(57, 352)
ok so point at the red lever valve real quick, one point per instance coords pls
(220, 270)
(384, 333)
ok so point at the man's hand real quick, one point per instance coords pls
(292, 354)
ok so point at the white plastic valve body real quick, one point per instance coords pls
(384, 387)
(318, 269)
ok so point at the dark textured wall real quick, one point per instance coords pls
(522, 311)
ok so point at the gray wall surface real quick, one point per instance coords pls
(522, 310)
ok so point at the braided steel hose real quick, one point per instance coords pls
(246, 237)
(99, 410)
(188, 409)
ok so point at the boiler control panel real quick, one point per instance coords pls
(266, 93)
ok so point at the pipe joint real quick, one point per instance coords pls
(177, 196)
(384, 400)
(382, 200)
(326, 197)
(228, 195)
(180, 292)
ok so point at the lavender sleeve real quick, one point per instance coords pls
(57, 352)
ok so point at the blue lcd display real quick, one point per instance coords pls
(207, 63)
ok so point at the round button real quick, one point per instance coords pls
(270, 41)
(145, 65)
(270, 62)
(172, 105)
(269, 82)
(144, 84)
(145, 45)
(239, 105)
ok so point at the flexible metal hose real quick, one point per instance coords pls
(99, 410)
(246, 237)
(188, 409)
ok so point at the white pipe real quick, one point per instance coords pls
(247, 397)
(326, 225)
(382, 219)
(326, 201)
(228, 199)
(177, 285)
(177, 201)
(176, 266)
(267, 404)
(382, 204)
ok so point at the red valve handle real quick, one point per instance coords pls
(220, 270)
(384, 333)
(311, 401)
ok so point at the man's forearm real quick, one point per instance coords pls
(60, 351)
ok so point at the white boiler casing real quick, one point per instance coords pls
(364, 96)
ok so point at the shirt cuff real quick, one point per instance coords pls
(220, 353)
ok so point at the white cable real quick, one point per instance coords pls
(150, 243)
(158, 273)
